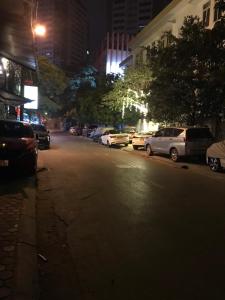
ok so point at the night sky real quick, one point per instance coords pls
(97, 12)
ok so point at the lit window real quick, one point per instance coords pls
(206, 14)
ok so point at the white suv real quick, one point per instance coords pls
(179, 142)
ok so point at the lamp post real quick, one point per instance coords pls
(38, 30)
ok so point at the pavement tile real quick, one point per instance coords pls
(10, 211)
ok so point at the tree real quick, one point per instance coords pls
(187, 84)
(89, 103)
(53, 82)
(129, 93)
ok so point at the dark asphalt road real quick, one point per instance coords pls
(134, 228)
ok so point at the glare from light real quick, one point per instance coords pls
(5, 63)
(144, 125)
(31, 92)
(39, 30)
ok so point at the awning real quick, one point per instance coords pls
(16, 38)
(11, 99)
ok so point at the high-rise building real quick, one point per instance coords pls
(130, 16)
(66, 40)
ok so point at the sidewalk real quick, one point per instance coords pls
(10, 210)
(17, 239)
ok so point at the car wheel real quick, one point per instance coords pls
(135, 147)
(149, 150)
(214, 164)
(174, 154)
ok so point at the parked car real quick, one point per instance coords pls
(42, 135)
(87, 130)
(180, 142)
(215, 156)
(18, 146)
(98, 132)
(130, 131)
(114, 137)
(74, 130)
(138, 139)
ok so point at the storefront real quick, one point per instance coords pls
(17, 56)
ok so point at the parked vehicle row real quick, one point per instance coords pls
(180, 143)
(176, 142)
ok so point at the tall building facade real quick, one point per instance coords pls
(128, 17)
(114, 50)
(131, 16)
(66, 40)
(171, 20)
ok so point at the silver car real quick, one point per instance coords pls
(179, 142)
(215, 156)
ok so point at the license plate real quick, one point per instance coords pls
(4, 163)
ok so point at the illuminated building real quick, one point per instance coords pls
(17, 58)
(128, 17)
(114, 50)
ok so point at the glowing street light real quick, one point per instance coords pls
(39, 30)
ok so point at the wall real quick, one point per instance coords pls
(170, 19)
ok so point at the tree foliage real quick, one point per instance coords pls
(188, 75)
(89, 104)
(52, 83)
(130, 91)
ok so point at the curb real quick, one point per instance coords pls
(26, 275)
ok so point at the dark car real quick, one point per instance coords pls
(18, 146)
(42, 134)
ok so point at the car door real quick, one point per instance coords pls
(166, 140)
(156, 141)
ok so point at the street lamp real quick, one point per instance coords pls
(39, 30)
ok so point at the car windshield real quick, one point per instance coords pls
(38, 127)
(15, 130)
